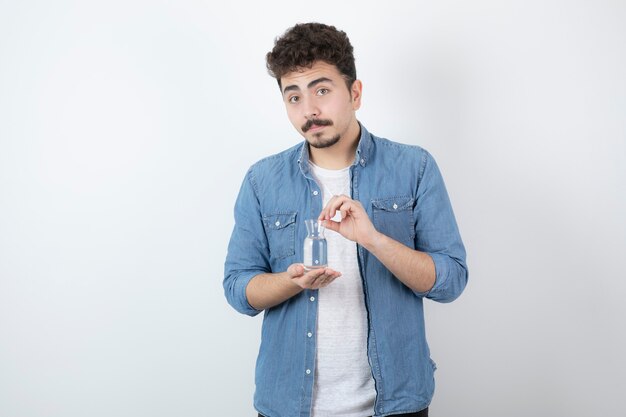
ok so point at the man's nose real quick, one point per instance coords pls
(311, 111)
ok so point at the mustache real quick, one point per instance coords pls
(318, 122)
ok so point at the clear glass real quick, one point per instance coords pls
(315, 245)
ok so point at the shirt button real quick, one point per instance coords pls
(277, 224)
(315, 192)
(309, 334)
(308, 371)
(395, 207)
(312, 298)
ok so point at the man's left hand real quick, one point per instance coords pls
(355, 224)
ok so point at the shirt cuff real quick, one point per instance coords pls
(242, 299)
(441, 274)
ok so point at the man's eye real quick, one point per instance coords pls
(293, 99)
(322, 91)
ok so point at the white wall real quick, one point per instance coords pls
(126, 128)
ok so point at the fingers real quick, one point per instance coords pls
(344, 204)
(332, 225)
(333, 205)
(323, 280)
(317, 278)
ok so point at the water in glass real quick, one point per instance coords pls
(315, 245)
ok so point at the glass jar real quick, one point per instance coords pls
(315, 245)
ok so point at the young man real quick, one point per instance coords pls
(346, 340)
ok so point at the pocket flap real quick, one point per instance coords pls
(278, 221)
(393, 204)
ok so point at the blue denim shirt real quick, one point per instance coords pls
(403, 193)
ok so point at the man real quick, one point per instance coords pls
(347, 339)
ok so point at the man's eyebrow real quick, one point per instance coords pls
(319, 80)
(312, 84)
(292, 87)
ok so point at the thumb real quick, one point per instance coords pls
(332, 225)
(295, 270)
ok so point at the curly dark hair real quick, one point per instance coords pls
(305, 43)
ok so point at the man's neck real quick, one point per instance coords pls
(341, 154)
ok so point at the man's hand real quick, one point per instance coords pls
(355, 224)
(414, 268)
(312, 279)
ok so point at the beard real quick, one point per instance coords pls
(321, 143)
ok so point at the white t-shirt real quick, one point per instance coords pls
(343, 385)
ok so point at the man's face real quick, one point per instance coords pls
(319, 104)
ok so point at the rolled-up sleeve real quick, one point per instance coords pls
(437, 234)
(248, 252)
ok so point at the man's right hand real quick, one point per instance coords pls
(312, 279)
(267, 290)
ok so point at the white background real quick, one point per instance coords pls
(126, 128)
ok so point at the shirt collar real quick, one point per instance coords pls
(364, 148)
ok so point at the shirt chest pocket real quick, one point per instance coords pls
(394, 217)
(280, 229)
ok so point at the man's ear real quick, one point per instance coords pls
(355, 92)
